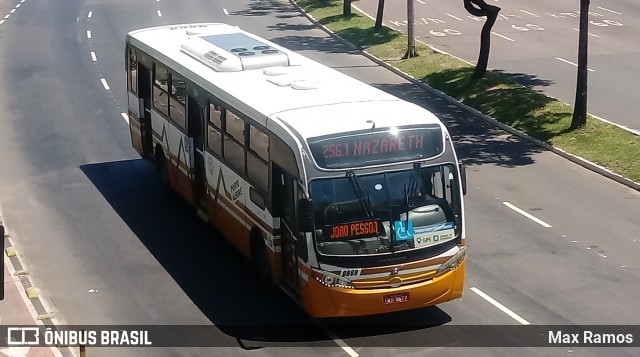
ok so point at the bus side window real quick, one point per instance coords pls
(214, 134)
(258, 158)
(177, 101)
(234, 141)
(160, 89)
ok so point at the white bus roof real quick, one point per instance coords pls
(310, 98)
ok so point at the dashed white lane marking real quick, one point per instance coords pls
(531, 217)
(12, 11)
(529, 13)
(159, 13)
(590, 34)
(605, 9)
(225, 11)
(422, 2)
(505, 37)
(88, 33)
(8, 16)
(2, 22)
(93, 57)
(21, 1)
(571, 63)
(17, 6)
(90, 14)
(499, 306)
(454, 17)
(105, 84)
(346, 347)
(125, 117)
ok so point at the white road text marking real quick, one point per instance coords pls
(529, 13)
(590, 34)
(454, 17)
(505, 37)
(615, 12)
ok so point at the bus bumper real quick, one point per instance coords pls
(320, 301)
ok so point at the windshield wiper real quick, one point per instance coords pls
(360, 193)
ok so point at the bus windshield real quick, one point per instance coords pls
(386, 212)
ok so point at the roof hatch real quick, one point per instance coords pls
(234, 52)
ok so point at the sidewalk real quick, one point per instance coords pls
(14, 310)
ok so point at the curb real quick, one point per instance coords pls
(571, 157)
(29, 291)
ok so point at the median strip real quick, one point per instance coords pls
(614, 150)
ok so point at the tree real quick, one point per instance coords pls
(480, 8)
(579, 117)
(411, 45)
(346, 8)
(378, 24)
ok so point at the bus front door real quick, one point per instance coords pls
(195, 122)
(284, 204)
(144, 90)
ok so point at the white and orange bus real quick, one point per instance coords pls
(347, 197)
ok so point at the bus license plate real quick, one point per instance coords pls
(395, 298)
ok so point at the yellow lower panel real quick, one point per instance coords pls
(180, 182)
(234, 230)
(320, 301)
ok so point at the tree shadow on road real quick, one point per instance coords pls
(513, 104)
(265, 7)
(477, 141)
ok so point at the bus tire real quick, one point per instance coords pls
(260, 258)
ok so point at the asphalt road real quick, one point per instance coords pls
(536, 42)
(88, 215)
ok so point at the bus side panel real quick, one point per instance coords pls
(225, 204)
(180, 172)
(173, 142)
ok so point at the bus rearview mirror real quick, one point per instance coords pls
(463, 177)
(304, 215)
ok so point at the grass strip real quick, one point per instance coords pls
(522, 108)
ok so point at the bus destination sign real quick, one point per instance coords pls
(355, 230)
(374, 148)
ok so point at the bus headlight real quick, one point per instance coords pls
(453, 262)
(331, 280)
